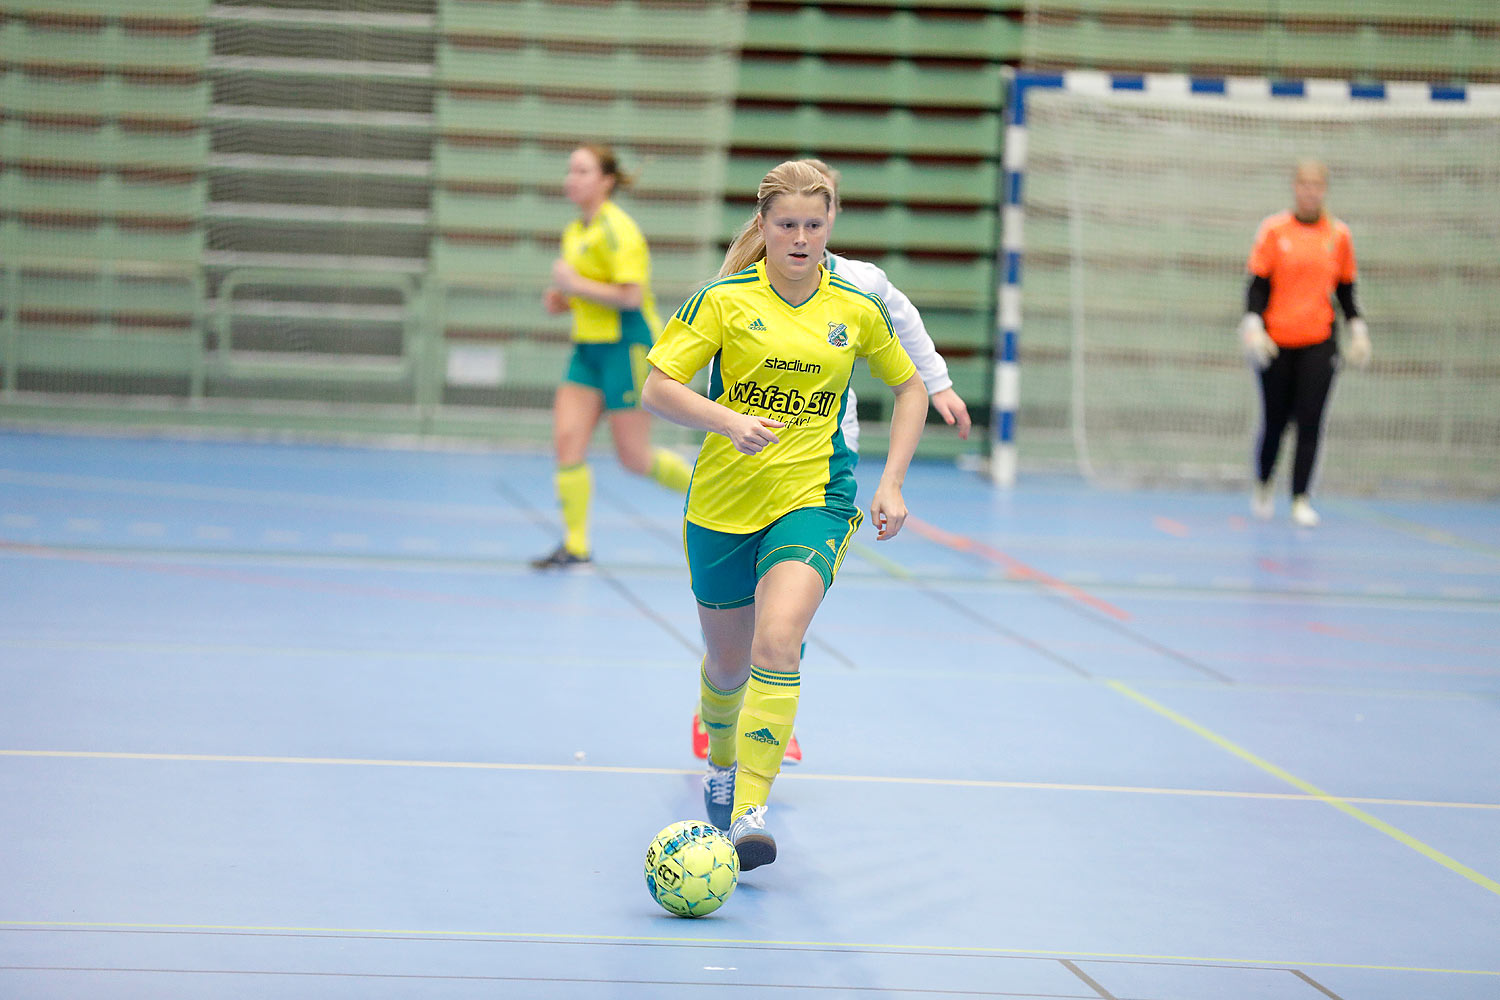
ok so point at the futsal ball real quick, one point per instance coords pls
(691, 868)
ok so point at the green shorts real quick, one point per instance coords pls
(725, 568)
(617, 370)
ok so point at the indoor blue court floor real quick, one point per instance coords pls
(297, 720)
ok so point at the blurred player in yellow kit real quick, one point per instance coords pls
(603, 278)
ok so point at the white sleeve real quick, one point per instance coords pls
(850, 426)
(905, 319)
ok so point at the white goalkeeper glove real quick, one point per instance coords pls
(1357, 351)
(1257, 343)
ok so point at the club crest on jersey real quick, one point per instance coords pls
(838, 335)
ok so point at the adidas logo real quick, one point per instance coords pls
(831, 547)
(763, 736)
(756, 326)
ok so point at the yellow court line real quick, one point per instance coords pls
(882, 561)
(1213, 793)
(546, 936)
(1342, 804)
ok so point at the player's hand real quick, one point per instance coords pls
(887, 512)
(554, 301)
(1357, 351)
(563, 275)
(952, 409)
(750, 434)
(1257, 343)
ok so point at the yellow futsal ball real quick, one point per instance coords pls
(691, 868)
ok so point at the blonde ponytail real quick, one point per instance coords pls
(791, 177)
(748, 247)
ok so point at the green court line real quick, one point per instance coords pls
(195, 758)
(1343, 805)
(890, 566)
(539, 936)
(1437, 536)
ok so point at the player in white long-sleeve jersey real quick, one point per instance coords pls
(907, 322)
(914, 337)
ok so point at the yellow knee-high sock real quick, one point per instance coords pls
(719, 709)
(575, 484)
(670, 470)
(765, 726)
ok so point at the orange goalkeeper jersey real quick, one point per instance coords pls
(1305, 262)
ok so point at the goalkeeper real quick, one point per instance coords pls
(1301, 261)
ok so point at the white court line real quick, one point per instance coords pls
(196, 758)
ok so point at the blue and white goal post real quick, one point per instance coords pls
(1129, 204)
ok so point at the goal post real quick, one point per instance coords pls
(1129, 206)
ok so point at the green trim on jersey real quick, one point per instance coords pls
(844, 283)
(689, 309)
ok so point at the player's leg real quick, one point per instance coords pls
(721, 568)
(576, 409)
(624, 374)
(1276, 384)
(785, 601)
(798, 559)
(1314, 377)
(850, 429)
(700, 737)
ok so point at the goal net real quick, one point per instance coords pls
(1141, 199)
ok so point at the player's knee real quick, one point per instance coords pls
(637, 462)
(776, 649)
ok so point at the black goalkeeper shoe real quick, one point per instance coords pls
(560, 558)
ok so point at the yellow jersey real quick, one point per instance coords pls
(611, 249)
(787, 362)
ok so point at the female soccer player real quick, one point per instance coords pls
(771, 509)
(604, 278)
(1300, 260)
(912, 332)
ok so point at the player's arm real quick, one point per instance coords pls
(908, 415)
(909, 327)
(906, 320)
(626, 295)
(1257, 344)
(628, 265)
(1358, 350)
(669, 399)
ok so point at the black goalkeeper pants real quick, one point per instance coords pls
(1296, 385)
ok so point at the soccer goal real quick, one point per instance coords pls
(1130, 206)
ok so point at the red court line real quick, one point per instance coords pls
(1014, 567)
(1175, 528)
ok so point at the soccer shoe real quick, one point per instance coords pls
(751, 842)
(1302, 512)
(718, 793)
(700, 738)
(560, 558)
(1263, 500)
(700, 743)
(793, 753)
